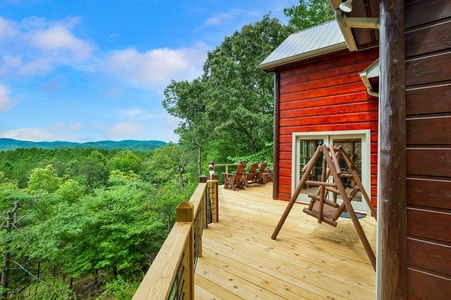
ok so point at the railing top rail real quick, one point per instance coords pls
(162, 270)
(197, 196)
(225, 165)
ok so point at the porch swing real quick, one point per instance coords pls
(327, 209)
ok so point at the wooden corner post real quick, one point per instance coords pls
(213, 188)
(185, 213)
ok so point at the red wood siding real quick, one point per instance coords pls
(325, 95)
(428, 138)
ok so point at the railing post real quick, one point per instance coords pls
(213, 189)
(203, 222)
(203, 179)
(185, 213)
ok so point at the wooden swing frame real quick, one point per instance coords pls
(318, 202)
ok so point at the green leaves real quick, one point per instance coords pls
(44, 179)
(309, 13)
(231, 105)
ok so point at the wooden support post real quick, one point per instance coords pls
(392, 272)
(295, 194)
(334, 159)
(322, 193)
(213, 187)
(185, 213)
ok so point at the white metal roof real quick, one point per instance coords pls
(311, 42)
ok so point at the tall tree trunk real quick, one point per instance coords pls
(180, 171)
(7, 254)
(199, 159)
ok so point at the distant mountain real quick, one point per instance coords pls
(11, 144)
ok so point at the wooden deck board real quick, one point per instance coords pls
(307, 261)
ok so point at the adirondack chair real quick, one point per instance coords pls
(234, 181)
(261, 176)
(249, 176)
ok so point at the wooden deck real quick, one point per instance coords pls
(307, 261)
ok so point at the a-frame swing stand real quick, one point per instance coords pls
(327, 210)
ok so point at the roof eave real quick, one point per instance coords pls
(271, 66)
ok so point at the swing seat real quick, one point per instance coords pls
(331, 210)
(328, 213)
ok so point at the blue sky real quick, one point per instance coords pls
(90, 70)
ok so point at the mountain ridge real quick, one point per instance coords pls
(137, 145)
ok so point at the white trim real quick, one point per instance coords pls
(365, 135)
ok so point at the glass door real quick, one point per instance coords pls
(356, 145)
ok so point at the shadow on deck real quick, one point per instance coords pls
(307, 261)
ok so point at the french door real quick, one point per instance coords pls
(356, 144)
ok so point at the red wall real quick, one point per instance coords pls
(326, 94)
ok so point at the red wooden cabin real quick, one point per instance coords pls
(320, 97)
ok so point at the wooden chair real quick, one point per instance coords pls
(249, 176)
(234, 181)
(261, 176)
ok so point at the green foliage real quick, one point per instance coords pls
(309, 13)
(266, 154)
(44, 179)
(11, 144)
(126, 161)
(119, 288)
(229, 110)
(71, 190)
(89, 219)
(52, 290)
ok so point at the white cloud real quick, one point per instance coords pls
(63, 128)
(55, 132)
(155, 68)
(28, 134)
(58, 39)
(219, 19)
(125, 130)
(7, 29)
(135, 114)
(42, 45)
(6, 102)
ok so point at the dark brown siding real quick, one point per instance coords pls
(428, 124)
(325, 95)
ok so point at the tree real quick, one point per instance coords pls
(231, 105)
(44, 179)
(166, 165)
(187, 101)
(126, 161)
(10, 224)
(93, 168)
(309, 13)
(71, 190)
(241, 95)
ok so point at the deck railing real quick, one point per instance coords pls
(171, 275)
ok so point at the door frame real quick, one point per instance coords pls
(364, 135)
